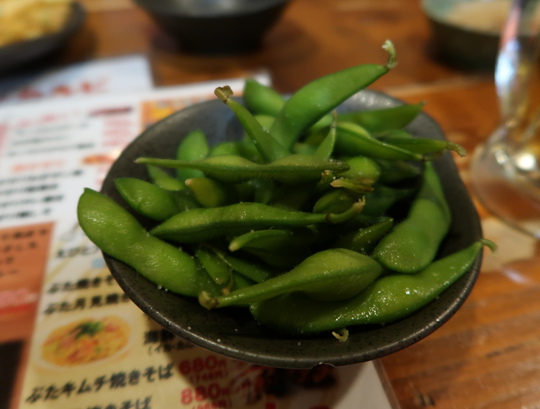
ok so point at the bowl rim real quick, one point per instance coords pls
(248, 7)
(437, 17)
(365, 343)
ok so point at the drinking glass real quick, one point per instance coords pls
(505, 171)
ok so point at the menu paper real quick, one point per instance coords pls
(129, 73)
(48, 153)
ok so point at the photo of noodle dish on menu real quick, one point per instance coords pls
(85, 341)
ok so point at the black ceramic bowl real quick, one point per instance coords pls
(18, 54)
(215, 26)
(465, 45)
(232, 332)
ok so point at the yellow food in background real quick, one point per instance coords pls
(22, 20)
(481, 15)
(85, 341)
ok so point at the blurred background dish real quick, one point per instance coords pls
(215, 26)
(19, 48)
(466, 33)
(23, 20)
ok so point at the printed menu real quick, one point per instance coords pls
(55, 286)
(96, 77)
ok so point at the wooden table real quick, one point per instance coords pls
(487, 355)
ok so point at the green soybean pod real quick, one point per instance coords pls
(387, 299)
(251, 270)
(263, 190)
(333, 274)
(362, 167)
(240, 281)
(279, 248)
(304, 148)
(194, 146)
(319, 97)
(413, 243)
(261, 99)
(292, 197)
(364, 240)
(291, 169)
(163, 179)
(384, 197)
(397, 171)
(225, 148)
(211, 193)
(335, 201)
(352, 139)
(152, 201)
(261, 239)
(385, 119)
(266, 121)
(269, 148)
(117, 233)
(199, 225)
(216, 268)
(325, 150)
(424, 146)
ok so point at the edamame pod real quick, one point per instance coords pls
(163, 179)
(292, 197)
(198, 225)
(158, 261)
(279, 248)
(261, 99)
(194, 146)
(384, 197)
(210, 193)
(352, 139)
(316, 99)
(362, 167)
(225, 148)
(335, 201)
(291, 169)
(269, 148)
(326, 147)
(396, 171)
(261, 239)
(152, 201)
(424, 146)
(365, 239)
(333, 274)
(413, 243)
(249, 269)
(386, 119)
(388, 299)
(216, 268)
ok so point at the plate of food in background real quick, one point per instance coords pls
(34, 28)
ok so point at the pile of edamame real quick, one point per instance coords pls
(315, 221)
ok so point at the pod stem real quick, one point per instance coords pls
(489, 244)
(207, 301)
(460, 150)
(388, 46)
(347, 214)
(223, 93)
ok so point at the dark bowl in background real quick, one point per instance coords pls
(215, 26)
(458, 45)
(231, 331)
